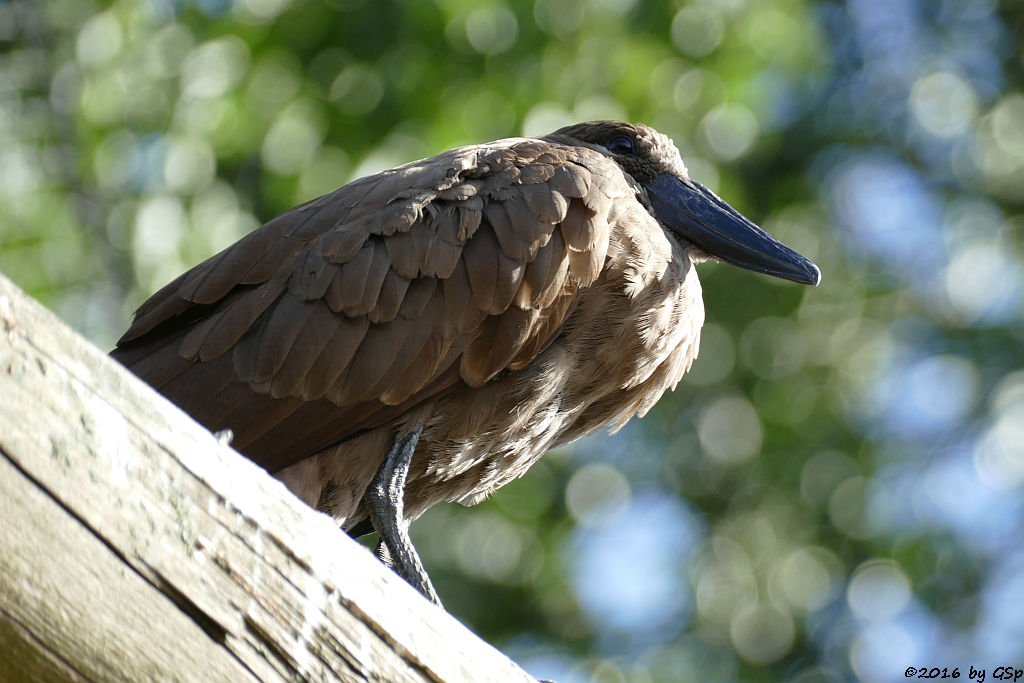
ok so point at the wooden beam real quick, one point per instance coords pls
(134, 546)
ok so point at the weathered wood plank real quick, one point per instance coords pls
(251, 582)
(66, 594)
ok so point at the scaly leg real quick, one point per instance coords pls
(385, 498)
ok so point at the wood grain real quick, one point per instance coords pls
(134, 546)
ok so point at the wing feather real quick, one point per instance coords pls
(524, 220)
(499, 339)
(318, 330)
(547, 205)
(420, 293)
(376, 355)
(571, 181)
(358, 284)
(389, 299)
(460, 315)
(380, 294)
(423, 368)
(341, 244)
(493, 276)
(311, 275)
(335, 356)
(222, 330)
(545, 275)
(262, 351)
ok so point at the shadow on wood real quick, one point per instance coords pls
(133, 546)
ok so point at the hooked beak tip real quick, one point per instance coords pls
(811, 274)
(815, 277)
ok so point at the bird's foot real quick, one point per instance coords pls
(385, 499)
(224, 436)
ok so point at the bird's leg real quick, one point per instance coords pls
(383, 554)
(385, 498)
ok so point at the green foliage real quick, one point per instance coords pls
(834, 492)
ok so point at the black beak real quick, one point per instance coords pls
(700, 217)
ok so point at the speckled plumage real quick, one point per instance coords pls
(514, 295)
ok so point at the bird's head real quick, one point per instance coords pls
(697, 216)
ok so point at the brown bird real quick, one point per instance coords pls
(426, 333)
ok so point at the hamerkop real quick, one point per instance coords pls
(426, 333)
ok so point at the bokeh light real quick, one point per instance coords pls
(833, 493)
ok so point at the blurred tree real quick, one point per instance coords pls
(834, 492)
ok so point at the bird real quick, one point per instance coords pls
(428, 332)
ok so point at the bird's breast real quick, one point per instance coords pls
(631, 336)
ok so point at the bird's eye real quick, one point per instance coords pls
(621, 144)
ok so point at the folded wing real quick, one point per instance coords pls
(343, 313)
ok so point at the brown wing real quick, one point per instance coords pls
(343, 313)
